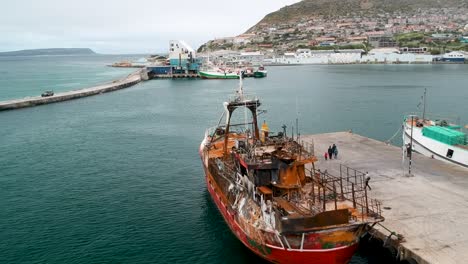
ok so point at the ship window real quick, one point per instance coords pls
(450, 153)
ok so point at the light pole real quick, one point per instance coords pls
(410, 148)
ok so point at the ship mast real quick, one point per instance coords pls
(424, 104)
(241, 86)
(240, 100)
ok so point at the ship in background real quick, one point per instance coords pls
(273, 198)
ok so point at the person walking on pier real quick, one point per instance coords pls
(367, 183)
(330, 152)
(335, 151)
(326, 155)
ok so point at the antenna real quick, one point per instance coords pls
(297, 120)
(297, 130)
(424, 105)
(241, 85)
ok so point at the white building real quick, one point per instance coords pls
(178, 49)
(393, 55)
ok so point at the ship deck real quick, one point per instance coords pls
(428, 208)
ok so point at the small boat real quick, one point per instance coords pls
(261, 72)
(273, 198)
(219, 74)
(435, 138)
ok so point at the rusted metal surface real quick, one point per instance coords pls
(263, 185)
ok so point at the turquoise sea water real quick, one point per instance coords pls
(116, 178)
(30, 76)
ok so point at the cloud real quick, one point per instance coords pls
(120, 26)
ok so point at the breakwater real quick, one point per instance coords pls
(130, 80)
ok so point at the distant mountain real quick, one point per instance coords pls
(48, 52)
(348, 8)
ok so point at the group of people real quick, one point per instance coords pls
(332, 152)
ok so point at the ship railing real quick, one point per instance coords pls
(224, 170)
(434, 117)
(210, 131)
(243, 98)
(351, 186)
(307, 148)
(301, 149)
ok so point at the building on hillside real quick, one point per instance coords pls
(421, 50)
(265, 45)
(327, 44)
(325, 39)
(245, 58)
(223, 40)
(444, 36)
(243, 39)
(357, 39)
(382, 41)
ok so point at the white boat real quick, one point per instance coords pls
(454, 56)
(219, 74)
(439, 139)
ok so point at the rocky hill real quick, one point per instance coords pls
(355, 24)
(347, 8)
(49, 52)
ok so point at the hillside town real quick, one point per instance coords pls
(430, 31)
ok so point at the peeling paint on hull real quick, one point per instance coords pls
(274, 254)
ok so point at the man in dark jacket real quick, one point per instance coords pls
(335, 151)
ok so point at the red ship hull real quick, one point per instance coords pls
(339, 255)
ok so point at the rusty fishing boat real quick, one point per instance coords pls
(273, 198)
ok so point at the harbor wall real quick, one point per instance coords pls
(128, 81)
(425, 210)
(354, 58)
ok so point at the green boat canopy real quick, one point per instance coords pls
(445, 135)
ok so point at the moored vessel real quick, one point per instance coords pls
(454, 56)
(219, 74)
(438, 138)
(261, 72)
(273, 198)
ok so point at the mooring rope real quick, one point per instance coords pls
(398, 131)
(392, 233)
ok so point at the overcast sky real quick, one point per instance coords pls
(121, 26)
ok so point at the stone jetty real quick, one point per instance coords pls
(130, 80)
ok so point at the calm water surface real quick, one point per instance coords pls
(116, 178)
(31, 76)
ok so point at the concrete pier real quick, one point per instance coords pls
(128, 81)
(175, 76)
(429, 209)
